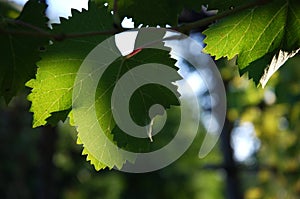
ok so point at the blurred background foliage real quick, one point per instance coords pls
(46, 162)
(273, 170)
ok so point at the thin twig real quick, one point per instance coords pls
(24, 24)
(185, 28)
(58, 37)
(26, 33)
(38, 32)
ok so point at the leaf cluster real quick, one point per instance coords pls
(260, 35)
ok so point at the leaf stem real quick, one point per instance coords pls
(58, 37)
(25, 33)
(39, 32)
(24, 24)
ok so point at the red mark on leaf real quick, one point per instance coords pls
(136, 51)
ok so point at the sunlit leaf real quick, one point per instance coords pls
(253, 33)
(52, 87)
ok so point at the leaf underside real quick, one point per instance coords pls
(52, 89)
(256, 35)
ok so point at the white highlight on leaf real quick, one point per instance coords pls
(276, 63)
(150, 129)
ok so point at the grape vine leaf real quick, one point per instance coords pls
(277, 61)
(256, 68)
(263, 68)
(142, 99)
(100, 135)
(51, 93)
(255, 32)
(19, 53)
(154, 94)
(52, 87)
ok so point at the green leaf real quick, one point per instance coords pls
(52, 87)
(292, 29)
(100, 135)
(253, 33)
(57, 117)
(19, 53)
(140, 103)
(141, 100)
(262, 69)
(51, 94)
(277, 61)
(256, 69)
